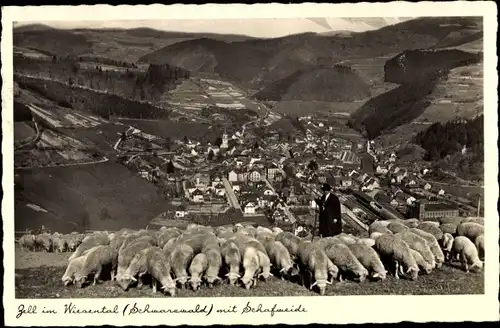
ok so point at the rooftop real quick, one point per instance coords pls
(440, 207)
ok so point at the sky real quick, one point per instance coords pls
(263, 28)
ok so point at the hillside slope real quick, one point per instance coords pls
(256, 63)
(321, 83)
(421, 75)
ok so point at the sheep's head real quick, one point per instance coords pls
(195, 282)
(125, 281)
(66, 280)
(477, 266)
(170, 289)
(361, 275)
(233, 277)
(212, 281)
(413, 271)
(181, 281)
(380, 275)
(79, 280)
(321, 283)
(247, 282)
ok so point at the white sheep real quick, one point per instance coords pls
(74, 266)
(410, 223)
(214, 259)
(479, 242)
(251, 266)
(261, 229)
(198, 266)
(379, 226)
(281, 258)
(290, 241)
(369, 258)
(375, 235)
(454, 220)
(448, 228)
(433, 245)
(27, 241)
(395, 249)
(180, 259)
(465, 250)
(370, 242)
(96, 259)
(315, 261)
(276, 230)
(478, 220)
(232, 258)
(88, 243)
(396, 227)
(471, 230)
(432, 228)
(419, 244)
(127, 253)
(59, 244)
(346, 261)
(166, 235)
(422, 264)
(138, 267)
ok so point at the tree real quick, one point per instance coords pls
(186, 140)
(210, 155)
(218, 141)
(170, 167)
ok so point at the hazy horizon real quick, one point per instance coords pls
(260, 28)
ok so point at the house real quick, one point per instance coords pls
(441, 192)
(249, 208)
(370, 184)
(220, 190)
(266, 200)
(278, 215)
(254, 176)
(197, 195)
(344, 182)
(180, 212)
(216, 181)
(424, 210)
(232, 176)
(427, 186)
(242, 176)
(236, 187)
(382, 169)
(272, 170)
(400, 175)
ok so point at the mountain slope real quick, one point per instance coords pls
(321, 83)
(256, 63)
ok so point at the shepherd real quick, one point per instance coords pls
(330, 221)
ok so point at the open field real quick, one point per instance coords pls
(38, 275)
(317, 108)
(88, 195)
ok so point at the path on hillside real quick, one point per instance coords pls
(104, 160)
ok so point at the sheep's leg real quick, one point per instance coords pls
(396, 271)
(113, 273)
(401, 271)
(140, 283)
(154, 285)
(97, 275)
(463, 259)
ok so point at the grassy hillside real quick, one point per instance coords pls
(260, 62)
(419, 74)
(88, 195)
(119, 44)
(321, 83)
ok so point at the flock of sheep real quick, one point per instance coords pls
(201, 255)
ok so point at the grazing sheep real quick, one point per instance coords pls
(137, 267)
(290, 241)
(198, 229)
(327, 241)
(379, 226)
(261, 229)
(347, 239)
(59, 244)
(232, 258)
(247, 230)
(419, 244)
(369, 258)
(243, 241)
(74, 240)
(43, 242)
(27, 241)
(198, 266)
(166, 235)
(410, 223)
(223, 229)
(479, 242)
(280, 256)
(428, 224)
(180, 259)
(251, 265)
(314, 260)
(264, 237)
(396, 227)
(470, 230)
(95, 260)
(432, 229)
(265, 265)
(392, 247)
(127, 253)
(465, 250)
(169, 247)
(276, 230)
(74, 266)
(454, 220)
(118, 240)
(137, 237)
(366, 241)
(477, 220)
(447, 244)
(433, 245)
(448, 228)
(214, 259)
(332, 269)
(345, 260)
(422, 264)
(88, 243)
(375, 235)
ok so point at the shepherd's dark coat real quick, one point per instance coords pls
(330, 221)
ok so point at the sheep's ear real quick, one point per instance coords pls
(282, 270)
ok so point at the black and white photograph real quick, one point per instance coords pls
(250, 157)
